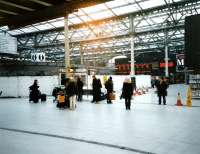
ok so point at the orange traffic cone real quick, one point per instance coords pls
(134, 92)
(139, 92)
(178, 103)
(189, 97)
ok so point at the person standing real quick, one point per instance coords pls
(98, 90)
(162, 91)
(127, 92)
(109, 88)
(34, 92)
(94, 89)
(79, 85)
(71, 92)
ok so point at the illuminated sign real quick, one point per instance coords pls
(180, 62)
(38, 57)
(170, 64)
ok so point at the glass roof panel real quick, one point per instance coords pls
(151, 3)
(59, 23)
(94, 9)
(15, 32)
(44, 27)
(28, 29)
(86, 18)
(100, 11)
(101, 15)
(125, 9)
(116, 3)
(75, 20)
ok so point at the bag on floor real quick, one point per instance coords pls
(60, 100)
(43, 97)
(112, 96)
(102, 97)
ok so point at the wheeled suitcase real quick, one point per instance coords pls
(43, 97)
(61, 100)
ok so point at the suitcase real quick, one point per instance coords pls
(60, 101)
(43, 97)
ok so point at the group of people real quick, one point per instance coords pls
(74, 91)
(127, 90)
(161, 85)
(96, 89)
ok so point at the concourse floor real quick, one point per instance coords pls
(28, 128)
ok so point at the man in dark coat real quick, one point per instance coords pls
(79, 85)
(96, 89)
(109, 88)
(34, 92)
(162, 90)
(127, 92)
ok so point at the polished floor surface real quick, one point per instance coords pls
(28, 128)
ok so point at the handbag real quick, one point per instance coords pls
(112, 96)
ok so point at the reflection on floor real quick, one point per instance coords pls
(101, 128)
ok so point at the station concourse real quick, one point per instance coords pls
(68, 69)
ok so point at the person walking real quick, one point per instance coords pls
(79, 85)
(162, 91)
(127, 92)
(109, 88)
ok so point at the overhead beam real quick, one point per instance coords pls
(16, 5)
(41, 2)
(116, 36)
(137, 43)
(8, 12)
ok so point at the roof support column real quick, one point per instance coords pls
(166, 61)
(132, 29)
(67, 50)
(81, 53)
(166, 52)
